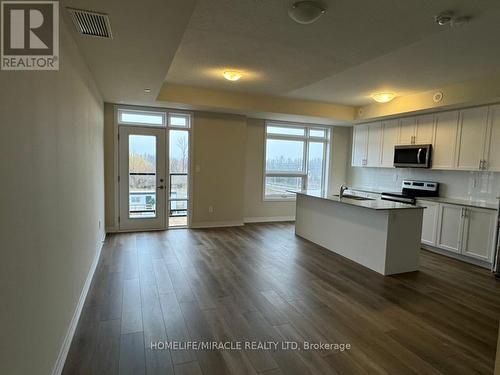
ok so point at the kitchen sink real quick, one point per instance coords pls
(355, 197)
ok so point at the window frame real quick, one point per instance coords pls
(306, 139)
(142, 112)
(187, 116)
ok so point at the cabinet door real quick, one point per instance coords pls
(471, 138)
(450, 227)
(445, 140)
(479, 233)
(406, 131)
(430, 222)
(424, 129)
(359, 145)
(492, 149)
(374, 152)
(390, 134)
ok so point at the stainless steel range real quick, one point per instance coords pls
(411, 190)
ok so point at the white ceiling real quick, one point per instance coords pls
(146, 35)
(357, 48)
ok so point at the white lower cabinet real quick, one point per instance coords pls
(450, 227)
(479, 233)
(468, 231)
(430, 222)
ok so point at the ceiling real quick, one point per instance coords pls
(146, 35)
(357, 48)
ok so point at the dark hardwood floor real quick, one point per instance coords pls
(262, 283)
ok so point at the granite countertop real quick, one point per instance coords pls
(459, 201)
(462, 202)
(373, 204)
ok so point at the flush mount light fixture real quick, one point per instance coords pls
(147, 91)
(306, 12)
(232, 75)
(383, 97)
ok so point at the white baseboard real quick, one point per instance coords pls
(217, 224)
(63, 352)
(268, 219)
(476, 262)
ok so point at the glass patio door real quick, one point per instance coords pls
(142, 178)
(178, 201)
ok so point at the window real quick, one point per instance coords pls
(179, 120)
(295, 159)
(134, 117)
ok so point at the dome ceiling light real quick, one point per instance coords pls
(383, 97)
(232, 75)
(306, 12)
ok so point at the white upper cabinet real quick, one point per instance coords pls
(445, 140)
(479, 233)
(424, 129)
(492, 144)
(471, 138)
(359, 145)
(406, 131)
(416, 130)
(390, 135)
(465, 139)
(374, 150)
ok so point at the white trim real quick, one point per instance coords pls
(268, 219)
(457, 256)
(216, 224)
(63, 352)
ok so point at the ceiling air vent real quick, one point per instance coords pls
(91, 23)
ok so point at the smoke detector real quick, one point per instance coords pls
(306, 12)
(450, 19)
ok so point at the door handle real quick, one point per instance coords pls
(418, 156)
(161, 187)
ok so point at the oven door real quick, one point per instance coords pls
(412, 156)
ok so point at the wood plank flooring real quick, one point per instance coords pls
(262, 283)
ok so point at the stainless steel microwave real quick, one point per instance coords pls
(412, 156)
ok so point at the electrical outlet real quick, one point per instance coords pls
(211, 209)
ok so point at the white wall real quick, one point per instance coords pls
(52, 199)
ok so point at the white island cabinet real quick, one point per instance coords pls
(381, 235)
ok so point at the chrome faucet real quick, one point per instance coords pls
(343, 188)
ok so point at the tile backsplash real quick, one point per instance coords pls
(481, 186)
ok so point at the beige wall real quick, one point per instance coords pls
(110, 140)
(340, 156)
(255, 208)
(219, 168)
(52, 199)
(228, 168)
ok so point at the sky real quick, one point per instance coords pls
(146, 144)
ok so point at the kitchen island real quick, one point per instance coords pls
(381, 235)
